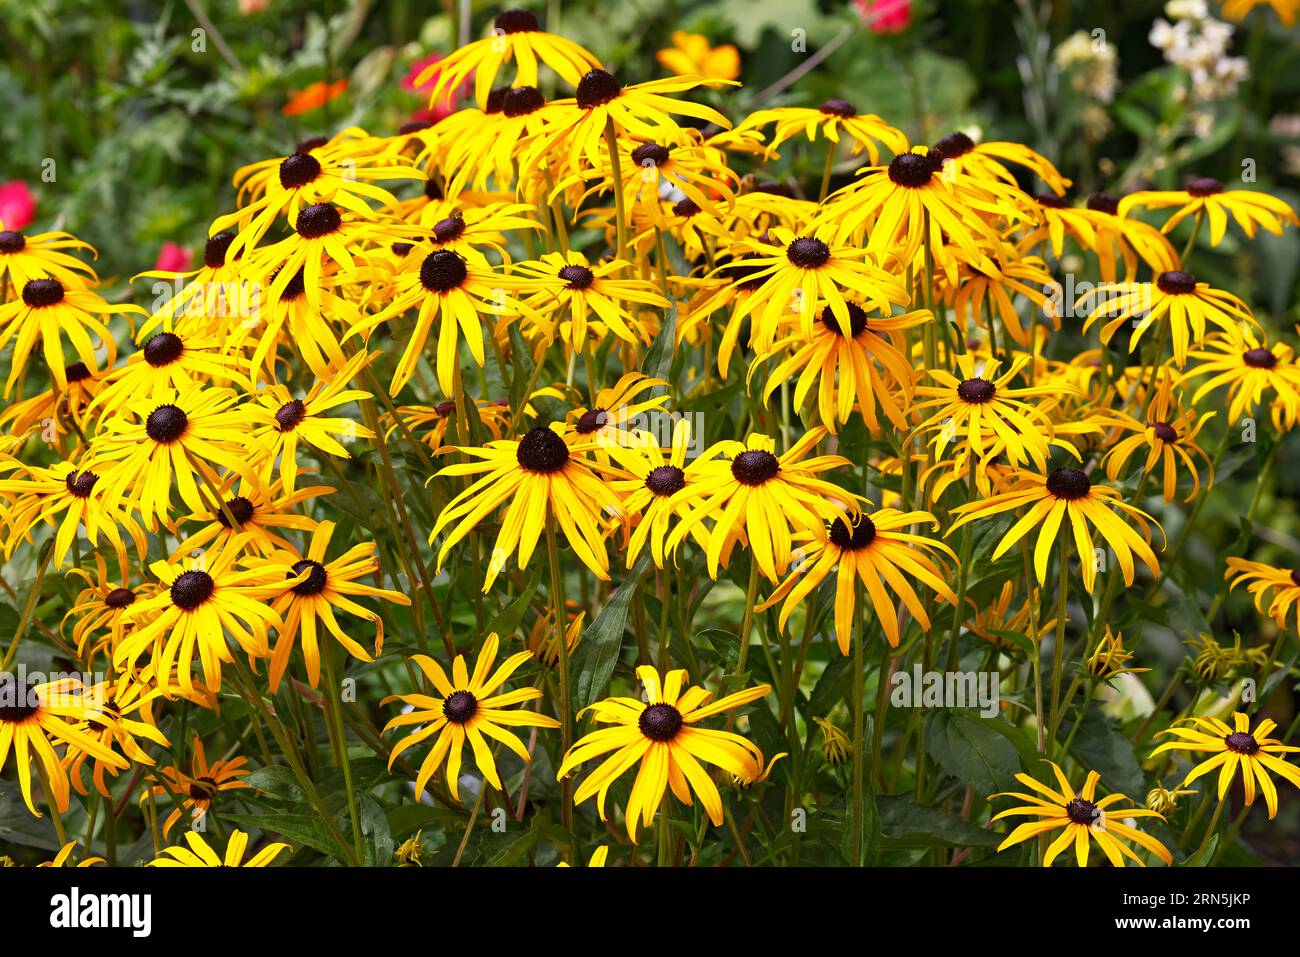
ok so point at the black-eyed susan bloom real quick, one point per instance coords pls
(755, 497)
(207, 603)
(1169, 439)
(467, 708)
(199, 853)
(33, 718)
(1276, 590)
(567, 284)
(26, 257)
(538, 478)
(1068, 497)
(1082, 819)
(662, 738)
(1237, 753)
(321, 586)
(1251, 368)
(833, 120)
(879, 551)
(1207, 197)
(126, 703)
(196, 790)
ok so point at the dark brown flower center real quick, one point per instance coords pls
(316, 578)
(590, 421)
(443, 271)
(665, 480)
(413, 126)
(652, 154)
(12, 241)
(203, 789)
(1204, 186)
(1241, 742)
(660, 722)
(1069, 484)
(1259, 358)
(496, 99)
(976, 391)
(296, 287)
(857, 320)
(597, 88)
(166, 424)
(1082, 812)
(17, 701)
(837, 107)
(119, 598)
(1103, 203)
(240, 508)
(754, 467)
(43, 292)
(77, 372)
(522, 100)
(446, 230)
(191, 589)
(215, 249)
(860, 536)
(459, 707)
(542, 451)
(577, 277)
(446, 409)
(1165, 432)
(1176, 282)
(81, 484)
(1050, 200)
(290, 415)
(953, 145)
(163, 349)
(686, 207)
(433, 189)
(298, 170)
(808, 253)
(515, 20)
(910, 170)
(317, 220)
(309, 143)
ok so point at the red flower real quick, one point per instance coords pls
(173, 258)
(885, 16)
(17, 205)
(447, 104)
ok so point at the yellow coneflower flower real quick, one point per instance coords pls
(798, 276)
(456, 292)
(1081, 818)
(1169, 436)
(872, 548)
(282, 422)
(430, 423)
(205, 605)
(1236, 752)
(1286, 10)
(1062, 494)
(33, 718)
(321, 586)
(1207, 197)
(1126, 240)
(617, 411)
(257, 512)
(977, 297)
(692, 55)
(542, 641)
(846, 368)
(984, 161)
(161, 443)
(1175, 298)
(49, 311)
(663, 736)
(598, 857)
(538, 478)
(65, 410)
(169, 363)
(481, 151)
(650, 496)
(982, 409)
(1279, 586)
(836, 746)
(98, 607)
(40, 256)
(309, 329)
(567, 284)
(690, 171)
(216, 299)
(464, 708)
(754, 496)
(833, 119)
(200, 854)
(70, 496)
(516, 35)
(1248, 367)
(197, 789)
(1110, 658)
(126, 704)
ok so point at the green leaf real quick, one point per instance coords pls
(903, 823)
(603, 639)
(377, 837)
(508, 620)
(277, 780)
(1100, 747)
(968, 748)
(306, 830)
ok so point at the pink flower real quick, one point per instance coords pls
(885, 16)
(17, 205)
(447, 104)
(173, 258)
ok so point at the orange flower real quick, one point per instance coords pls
(313, 96)
(691, 55)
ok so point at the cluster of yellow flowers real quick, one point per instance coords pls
(895, 341)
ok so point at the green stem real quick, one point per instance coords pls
(332, 691)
